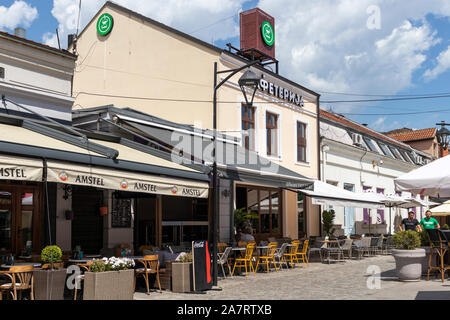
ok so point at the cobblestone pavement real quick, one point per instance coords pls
(347, 280)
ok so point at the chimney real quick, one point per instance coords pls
(257, 31)
(20, 32)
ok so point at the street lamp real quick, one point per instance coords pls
(443, 135)
(249, 80)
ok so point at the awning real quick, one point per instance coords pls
(233, 161)
(327, 194)
(132, 170)
(20, 168)
(69, 173)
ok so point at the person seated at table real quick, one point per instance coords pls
(410, 223)
(247, 235)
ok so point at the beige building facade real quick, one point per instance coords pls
(149, 67)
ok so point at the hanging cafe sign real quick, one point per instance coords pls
(281, 92)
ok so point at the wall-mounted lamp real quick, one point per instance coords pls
(225, 193)
(67, 191)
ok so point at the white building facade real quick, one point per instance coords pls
(358, 159)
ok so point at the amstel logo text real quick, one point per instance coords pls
(12, 173)
(90, 180)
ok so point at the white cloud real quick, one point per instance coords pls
(19, 13)
(443, 64)
(326, 45)
(189, 16)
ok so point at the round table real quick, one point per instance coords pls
(21, 264)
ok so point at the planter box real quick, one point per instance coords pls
(409, 263)
(109, 285)
(49, 284)
(182, 277)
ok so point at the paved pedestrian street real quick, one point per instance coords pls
(372, 278)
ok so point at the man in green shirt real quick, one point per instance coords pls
(428, 222)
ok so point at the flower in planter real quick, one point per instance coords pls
(184, 257)
(112, 264)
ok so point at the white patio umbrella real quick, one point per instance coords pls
(432, 179)
(442, 210)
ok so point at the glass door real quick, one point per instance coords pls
(6, 223)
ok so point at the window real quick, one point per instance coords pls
(396, 153)
(272, 134)
(386, 150)
(380, 212)
(301, 142)
(248, 124)
(2, 73)
(265, 204)
(371, 144)
(406, 156)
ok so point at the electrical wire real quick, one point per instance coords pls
(393, 114)
(212, 24)
(385, 95)
(388, 99)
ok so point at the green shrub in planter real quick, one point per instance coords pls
(51, 254)
(406, 240)
(445, 227)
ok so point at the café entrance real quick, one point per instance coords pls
(20, 215)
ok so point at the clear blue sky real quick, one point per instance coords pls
(436, 23)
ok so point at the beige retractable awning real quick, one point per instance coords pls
(19, 168)
(69, 173)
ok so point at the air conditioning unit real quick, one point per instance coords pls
(357, 139)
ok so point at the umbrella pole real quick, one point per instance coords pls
(390, 221)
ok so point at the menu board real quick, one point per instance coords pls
(121, 213)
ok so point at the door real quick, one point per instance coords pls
(19, 220)
(349, 213)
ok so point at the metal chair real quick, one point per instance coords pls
(347, 247)
(303, 254)
(279, 254)
(269, 258)
(246, 260)
(373, 245)
(316, 246)
(223, 259)
(292, 254)
(334, 250)
(438, 245)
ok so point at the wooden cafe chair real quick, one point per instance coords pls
(21, 278)
(151, 266)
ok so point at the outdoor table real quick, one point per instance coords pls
(34, 264)
(93, 256)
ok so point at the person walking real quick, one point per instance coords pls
(410, 223)
(429, 222)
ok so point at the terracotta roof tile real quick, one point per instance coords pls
(415, 135)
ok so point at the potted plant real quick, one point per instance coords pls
(327, 222)
(408, 257)
(109, 279)
(243, 217)
(182, 273)
(49, 282)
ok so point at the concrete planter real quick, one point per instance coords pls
(182, 277)
(409, 263)
(49, 284)
(109, 285)
(425, 260)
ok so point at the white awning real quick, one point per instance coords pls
(19, 168)
(83, 175)
(327, 194)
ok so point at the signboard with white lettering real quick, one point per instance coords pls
(280, 92)
(124, 181)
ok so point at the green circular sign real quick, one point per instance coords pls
(105, 24)
(267, 33)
